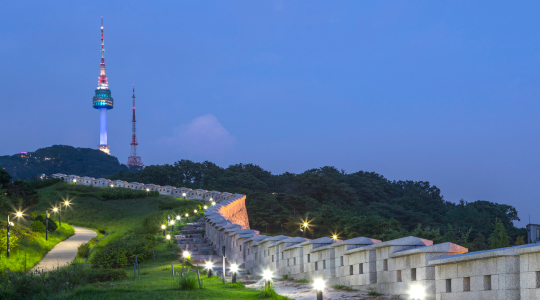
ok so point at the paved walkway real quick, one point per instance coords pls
(66, 251)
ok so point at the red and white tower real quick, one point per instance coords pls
(134, 160)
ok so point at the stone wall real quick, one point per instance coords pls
(397, 267)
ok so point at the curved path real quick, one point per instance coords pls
(66, 251)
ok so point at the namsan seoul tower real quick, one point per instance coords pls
(134, 160)
(103, 100)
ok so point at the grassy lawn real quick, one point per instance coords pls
(132, 217)
(32, 246)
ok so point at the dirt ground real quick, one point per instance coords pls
(304, 291)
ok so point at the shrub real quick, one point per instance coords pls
(123, 251)
(37, 226)
(44, 183)
(188, 283)
(21, 285)
(52, 223)
(83, 250)
(101, 230)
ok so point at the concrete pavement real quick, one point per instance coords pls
(66, 251)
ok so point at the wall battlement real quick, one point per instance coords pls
(443, 271)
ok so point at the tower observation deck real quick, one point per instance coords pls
(103, 100)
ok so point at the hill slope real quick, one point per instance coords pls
(61, 159)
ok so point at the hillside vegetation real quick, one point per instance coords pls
(350, 205)
(61, 159)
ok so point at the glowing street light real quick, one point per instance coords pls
(172, 225)
(195, 211)
(213, 203)
(59, 211)
(318, 285)
(187, 217)
(205, 207)
(178, 218)
(163, 228)
(10, 224)
(112, 186)
(209, 266)
(234, 270)
(168, 237)
(184, 195)
(335, 237)
(417, 292)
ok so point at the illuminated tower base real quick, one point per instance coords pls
(103, 131)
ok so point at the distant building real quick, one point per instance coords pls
(533, 233)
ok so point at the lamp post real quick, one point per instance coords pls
(318, 284)
(59, 211)
(9, 224)
(178, 218)
(172, 225)
(205, 207)
(168, 237)
(163, 228)
(169, 222)
(47, 215)
(187, 217)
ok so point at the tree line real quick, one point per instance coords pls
(345, 204)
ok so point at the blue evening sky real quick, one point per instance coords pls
(439, 91)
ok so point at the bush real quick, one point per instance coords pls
(52, 223)
(83, 250)
(21, 285)
(101, 230)
(37, 226)
(188, 283)
(123, 251)
(44, 183)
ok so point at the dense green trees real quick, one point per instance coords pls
(60, 159)
(356, 204)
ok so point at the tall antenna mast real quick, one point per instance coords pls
(134, 160)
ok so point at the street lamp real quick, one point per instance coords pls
(318, 284)
(209, 266)
(47, 216)
(213, 203)
(163, 228)
(10, 224)
(195, 211)
(187, 217)
(234, 270)
(177, 218)
(172, 225)
(168, 237)
(112, 186)
(205, 207)
(59, 211)
(184, 195)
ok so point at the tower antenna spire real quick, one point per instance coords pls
(134, 160)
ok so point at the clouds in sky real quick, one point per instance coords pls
(204, 137)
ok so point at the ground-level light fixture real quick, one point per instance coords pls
(234, 270)
(183, 194)
(172, 225)
(178, 218)
(417, 292)
(208, 265)
(213, 203)
(168, 237)
(187, 215)
(186, 254)
(318, 285)
(334, 237)
(205, 207)
(163, 228)
(267, 276)
(195, 211)
(112, 185)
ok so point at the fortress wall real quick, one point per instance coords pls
(396, 267)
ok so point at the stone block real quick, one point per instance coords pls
(524, 262)
(446, 271)
(466, 269)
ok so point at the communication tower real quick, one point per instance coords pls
(103, 100)
(134, 160)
